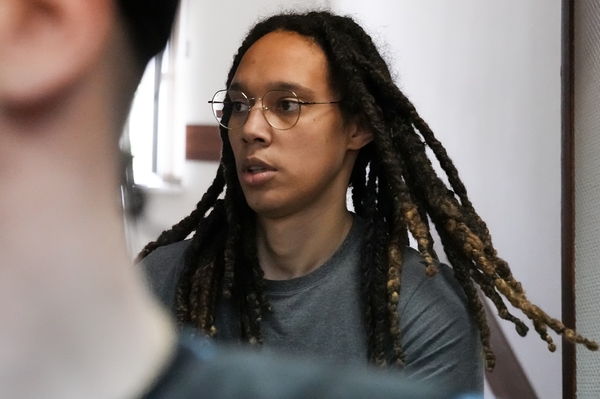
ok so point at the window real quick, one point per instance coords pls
(156, 141)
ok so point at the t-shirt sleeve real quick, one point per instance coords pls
(439, 336)
(162, 269)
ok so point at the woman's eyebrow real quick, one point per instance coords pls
(295, 87)
(278, 85)
(235, 86)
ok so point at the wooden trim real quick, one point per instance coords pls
(508, 380)
(568, 195)
(203, 143)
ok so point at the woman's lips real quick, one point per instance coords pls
(256, 173)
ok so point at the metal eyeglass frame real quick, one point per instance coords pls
(252, 102)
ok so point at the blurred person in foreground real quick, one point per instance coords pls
(75, 319)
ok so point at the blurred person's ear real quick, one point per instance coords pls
(47, 45)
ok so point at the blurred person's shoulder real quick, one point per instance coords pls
(202, 369)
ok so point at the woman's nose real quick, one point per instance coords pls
(256, 128)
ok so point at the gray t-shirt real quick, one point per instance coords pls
(320, 314)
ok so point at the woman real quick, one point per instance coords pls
(310, 109)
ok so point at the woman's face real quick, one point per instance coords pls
(307, 167)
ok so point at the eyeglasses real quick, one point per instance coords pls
(281, 108)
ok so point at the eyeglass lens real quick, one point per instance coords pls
(281, 108)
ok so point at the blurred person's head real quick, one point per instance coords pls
(50, 47)
(149, 24)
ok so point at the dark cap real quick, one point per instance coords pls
(149, 24)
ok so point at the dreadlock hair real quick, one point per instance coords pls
(395, 189)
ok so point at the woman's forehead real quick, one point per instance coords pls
(282, 60)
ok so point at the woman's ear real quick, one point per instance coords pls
(46, 45)
(359, 136)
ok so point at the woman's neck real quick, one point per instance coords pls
(294, 246)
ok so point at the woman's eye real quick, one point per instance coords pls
(288, 105)
(238, 106)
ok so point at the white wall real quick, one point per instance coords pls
(484, 75)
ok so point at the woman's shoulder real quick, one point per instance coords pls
(166, 254)
(440, 337)
(415, 279)
(162, 268)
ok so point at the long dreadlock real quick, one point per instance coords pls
(394, 188)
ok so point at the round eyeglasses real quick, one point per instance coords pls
(281, 108)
